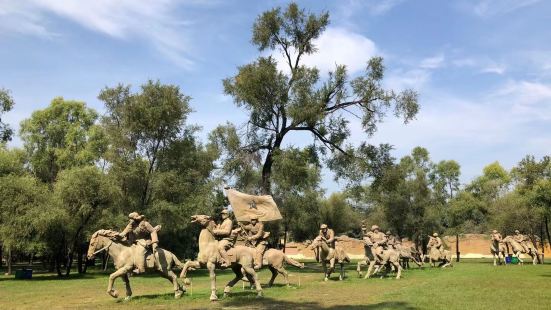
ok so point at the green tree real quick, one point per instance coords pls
(445, 179)
(61, 136)
(139, 127)
(83, 195)
(22, 200)
(282, 103)
(6, 104)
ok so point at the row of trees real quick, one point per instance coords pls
(416, 197)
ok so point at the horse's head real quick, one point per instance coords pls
(99, 240)
(94, 245)
(201, 219)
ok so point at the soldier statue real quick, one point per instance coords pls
(377, 240)
(438, 244)
(256, 237)
(141, 235)
(224, 232)
(496, 236)
(327, 234)
(523, 240)
(391, 240)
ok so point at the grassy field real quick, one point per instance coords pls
(471, 284)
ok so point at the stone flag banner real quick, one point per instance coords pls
(244, 206)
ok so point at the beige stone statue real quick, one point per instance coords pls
(224, 232)
(517, 248)
(437, 253)
(497, 247)
(523, 240)
(125, 256)
(139, 232)
(241, 257)
(328, 252)
(256, 238)
(378, 254)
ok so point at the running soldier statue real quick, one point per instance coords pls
(142, 236)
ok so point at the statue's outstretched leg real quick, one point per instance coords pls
(127, 285)
(211, 267)
(120, 272)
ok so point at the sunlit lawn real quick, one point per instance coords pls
(470, 284)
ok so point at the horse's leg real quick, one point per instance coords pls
(495, 260)
(120, 272)
(324, 265)
(189, 265)
(359, 267)
(341, 276)
(127, 285)
(285, 275)
(178, 289)
(399, 270)
(238, 276)
(211, 267)
(274, 275)
(370, 269)
(251, 272)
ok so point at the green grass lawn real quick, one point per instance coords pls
(471, 284)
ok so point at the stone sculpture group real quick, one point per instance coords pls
(243, 249)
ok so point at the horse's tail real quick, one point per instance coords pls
(292, 262)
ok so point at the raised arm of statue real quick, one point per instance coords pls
(127, 229)
(152, 231)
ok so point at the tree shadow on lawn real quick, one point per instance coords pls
(270, 303)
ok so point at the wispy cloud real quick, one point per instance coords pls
(432, 62)
(487, 8)
(338, 46)
(152, 21)
(374, 7)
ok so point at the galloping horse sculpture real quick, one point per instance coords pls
(123, 258)
(444, 258)
(209, 257)
(328, 255)
(517, 249)
(390, 258)
(498, 250)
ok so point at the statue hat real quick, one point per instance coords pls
(435, 235)
(224, 211)
(323, 226)
(374, 227)
(135, 216)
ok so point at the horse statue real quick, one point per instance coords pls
(241, 259)
(276, 260)
(122, 254)
(517, 249)
(407, 254)
(327, 255)
(390, 259)
(498, 250)
(434, 255)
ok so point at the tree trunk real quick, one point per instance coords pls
(457, 247)
(267, 174)
(547, 230)
(285, 239)
(9, 261)
(1, 253)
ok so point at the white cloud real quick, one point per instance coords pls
(374, 7)
(487, 8)
(151, 21)
(494, 68)
(337, 46)
(432, 62)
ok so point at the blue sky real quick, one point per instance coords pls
(482, 67)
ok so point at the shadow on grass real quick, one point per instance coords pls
(270, 303)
